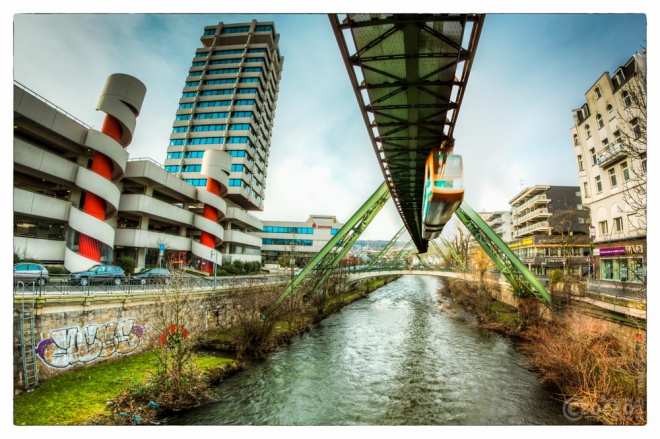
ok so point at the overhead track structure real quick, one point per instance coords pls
(322, 264)
(409, 73)
(440, 252)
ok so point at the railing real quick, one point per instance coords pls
(607, 153)
(534, 226)
(528, 203)
(47, 102)
(59, 285)
(529, 215)
(147, 159)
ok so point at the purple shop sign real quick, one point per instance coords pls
(612, 251)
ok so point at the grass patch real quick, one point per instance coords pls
(76, 398)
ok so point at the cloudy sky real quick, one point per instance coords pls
(530, 71)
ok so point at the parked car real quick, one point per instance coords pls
(152, 275)
(28, 272)
(98, 274)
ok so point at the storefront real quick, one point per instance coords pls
(622, 263)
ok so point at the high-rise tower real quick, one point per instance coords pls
(222, 130)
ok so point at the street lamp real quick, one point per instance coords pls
(215, 265)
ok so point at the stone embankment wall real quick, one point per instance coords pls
(75, 332)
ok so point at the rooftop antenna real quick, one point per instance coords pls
(522, 183)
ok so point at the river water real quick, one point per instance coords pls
(389, 359)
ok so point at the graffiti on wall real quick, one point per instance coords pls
(69, 346)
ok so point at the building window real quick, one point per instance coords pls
(219, 127)
(618, 224)
(226, 91)
(235, 30)
(249, 80)
(206, 141)
(192, 168)
(241, 114)
(172, 168)
(252, 69)
(580, 220)
(576, 141)
(606, 142)
(244, 102)
(610, 111)
(201, 54)
(209, 32)
(197, 73)
(177, 142)
(588, 129)
(239, 126)
(183, 117)
(585, 111)
(254, 60)
(256, 50)
(196, 181)
(222, 71)
(226, 61)
(247, 90)
(617, 135)
(174, 155)
(599, 118)
(598, 93)
(198, 63)
(220, 81)
(625, 171)
(602, 227)
(579, 207)
(644, 166)
(186, 105)
(179, 129)
(586, 190)
(636, 129)
(214, 104)
(264, 28)
(580, 163)
(194, 154)
(626, 99)
(228, 52)
(192, 83)
(612, 177)
(592, 151)
(221, 115)
(599, 185)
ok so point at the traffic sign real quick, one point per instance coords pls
(161, 247)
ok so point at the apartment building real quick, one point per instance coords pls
(500, 222)
(609, 143)
(550, 229)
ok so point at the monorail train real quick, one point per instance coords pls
(443, 190)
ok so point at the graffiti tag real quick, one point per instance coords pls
(69, 346)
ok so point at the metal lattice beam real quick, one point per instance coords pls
(387, 247)
(453, 253)
(520, 278)
(328, 258)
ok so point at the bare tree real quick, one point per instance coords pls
(460, 243)
(565, 225)
(632, 137)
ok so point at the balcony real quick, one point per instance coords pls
(543, 198)
(532, 214)
(610, 155)
(543, 225)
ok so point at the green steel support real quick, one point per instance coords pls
(398, 255)
(454, 254)
(328, 258)
(423, 262)
(440, 252)
(387, 247)
(520, 278)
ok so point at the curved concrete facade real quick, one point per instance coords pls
(106, 189)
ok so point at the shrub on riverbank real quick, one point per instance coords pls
(602, 374)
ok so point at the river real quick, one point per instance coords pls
(389, 359)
